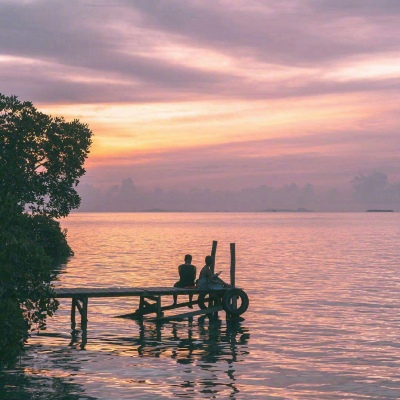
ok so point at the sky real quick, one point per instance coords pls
(237, 105)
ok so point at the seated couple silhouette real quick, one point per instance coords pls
(207, 280)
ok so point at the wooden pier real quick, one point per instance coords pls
(234, 301)
(150, 302)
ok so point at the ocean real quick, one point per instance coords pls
(323, 320)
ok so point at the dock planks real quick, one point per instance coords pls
(80, 297)
(67, 293)
(189, 314)
(150, 299)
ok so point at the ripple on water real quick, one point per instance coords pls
(322, 322)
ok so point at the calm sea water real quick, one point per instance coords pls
(323, 321)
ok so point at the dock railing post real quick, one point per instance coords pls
(213, 254)
(233, 264)
(233, 272)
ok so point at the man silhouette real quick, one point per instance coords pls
(187, 277)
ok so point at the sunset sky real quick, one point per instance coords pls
(216, 94)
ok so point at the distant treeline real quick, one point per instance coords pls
(380, 210)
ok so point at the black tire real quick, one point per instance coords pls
(227, 302)
(203, 304)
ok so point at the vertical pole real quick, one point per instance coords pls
(213, 254)
(233, 264)
(140, 310)
(84, 321)
(158, 307)
(233, 273)
(73, 309)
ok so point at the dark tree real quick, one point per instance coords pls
(41, 158)
(41, 161)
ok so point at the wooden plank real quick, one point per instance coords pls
(97, 292)
(133, 315)
(188, 314)
(163, 308)
(127, 292)
(169, 291)
(179, 305)
(162, 289)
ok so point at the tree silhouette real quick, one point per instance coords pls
(41, 161)
(41, 158)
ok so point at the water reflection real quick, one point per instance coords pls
(323, 314)
(204, 345)
(78, 337)
(206, 339)
(28, 383)
(204, 342)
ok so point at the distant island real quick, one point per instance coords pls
(380, 211)
(156, 210)
(278, 210)
(285, 210)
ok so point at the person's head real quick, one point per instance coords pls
(188, 258)
(209, 260)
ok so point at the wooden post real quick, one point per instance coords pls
(84, 319)
(233, 264)
(159, 312)
(73, 309)
(141, 303)
(213, 254)
(233, 273)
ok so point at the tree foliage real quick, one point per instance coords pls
(41, 161)
(41, 157)
(25, 281)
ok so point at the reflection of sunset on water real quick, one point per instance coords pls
(322, 320)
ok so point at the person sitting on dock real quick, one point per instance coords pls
(187, 277)
(208, 280)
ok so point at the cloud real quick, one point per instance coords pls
(370, 8)
(322, 158)
(70, 37)
(299, 32)
(215, 94)
(148, 51)
(375, 190)
(369, 191)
